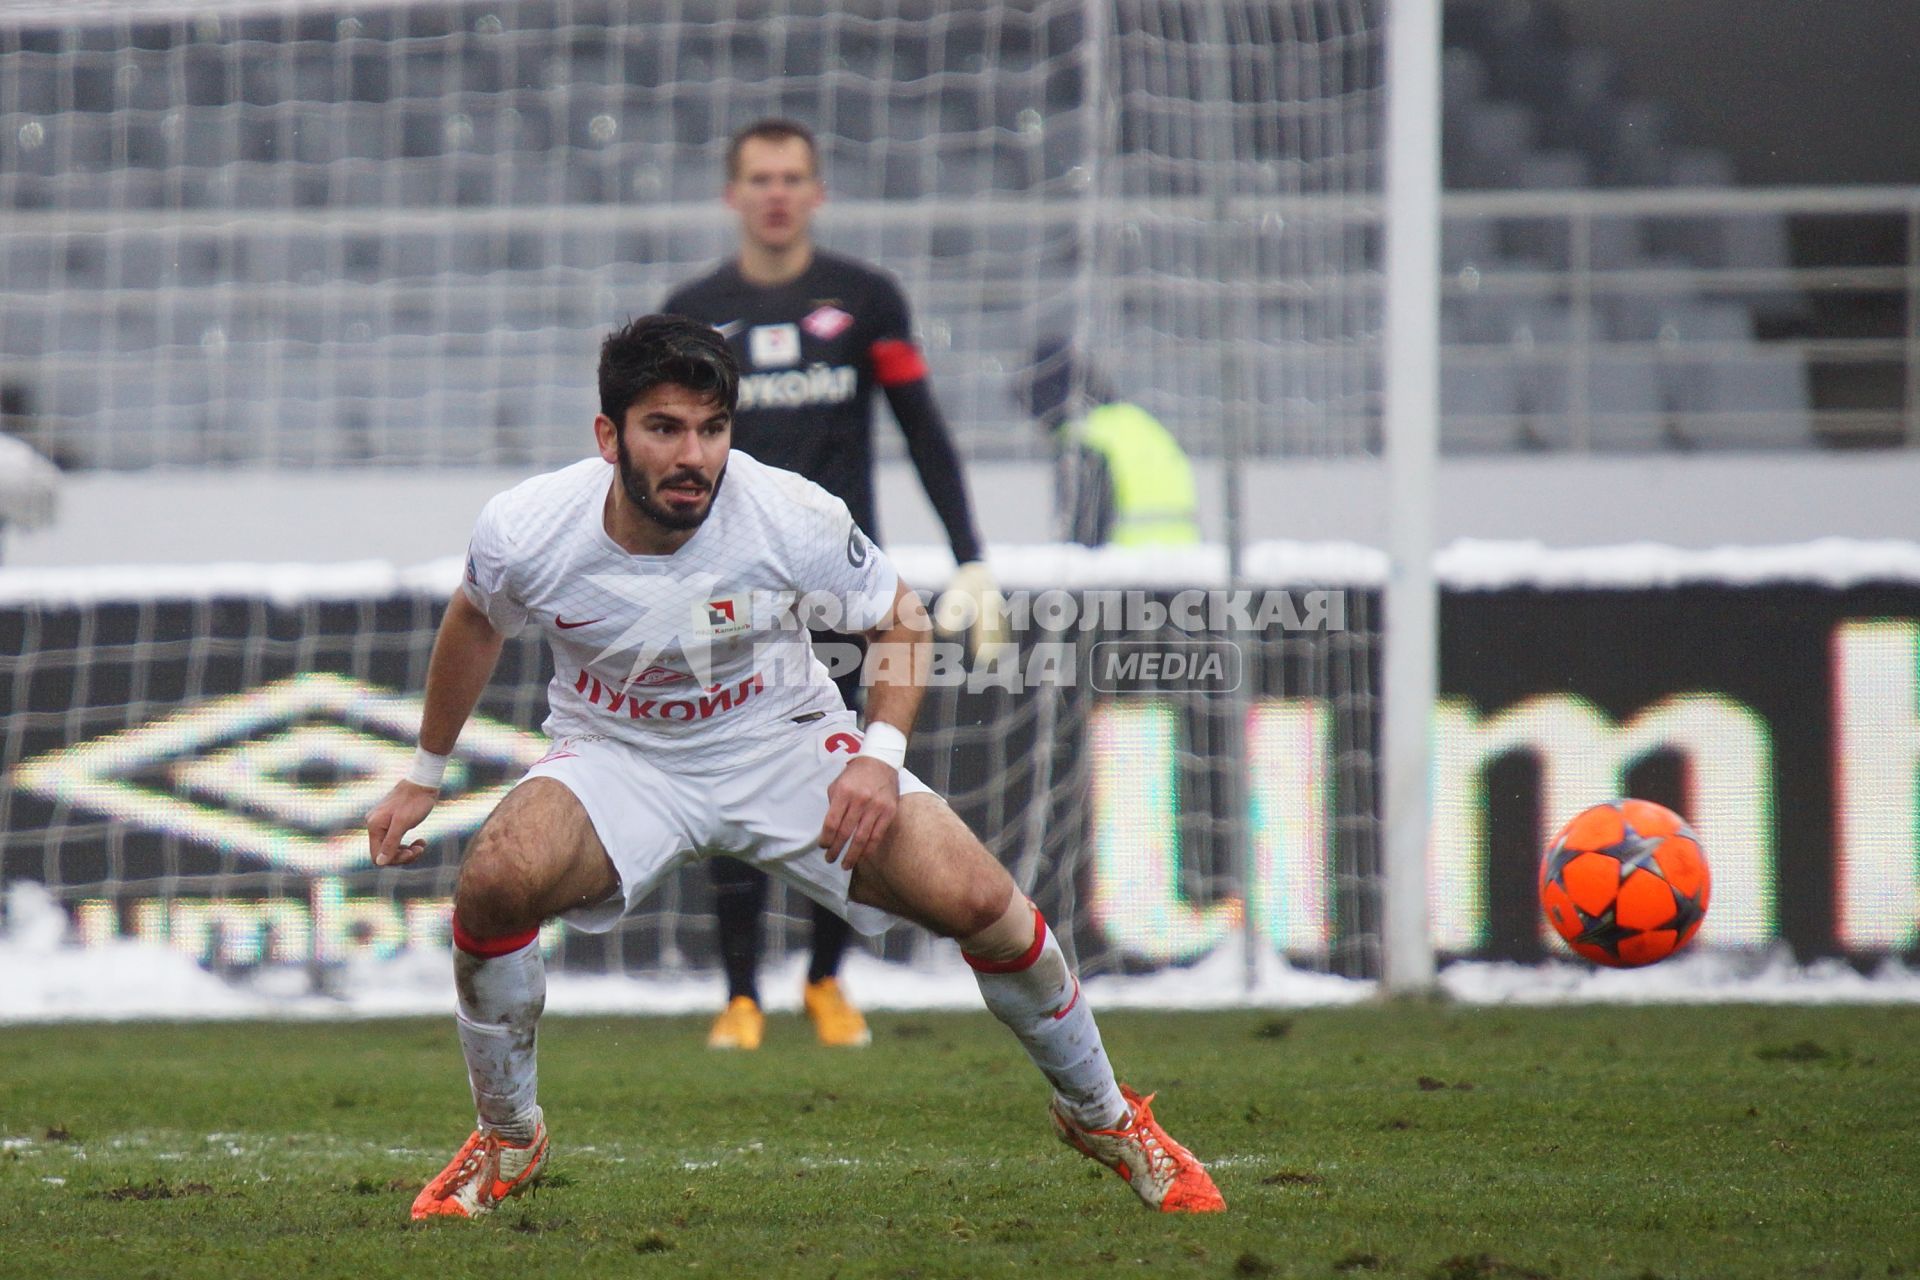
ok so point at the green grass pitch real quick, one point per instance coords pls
(1731, 1141)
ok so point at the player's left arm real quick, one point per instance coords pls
(930, 445)
(861, 802)
(971, 605)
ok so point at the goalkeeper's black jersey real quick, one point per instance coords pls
(812, 353)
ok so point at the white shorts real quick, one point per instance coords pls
(768, 813)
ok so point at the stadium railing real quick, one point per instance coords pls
(1578, 320)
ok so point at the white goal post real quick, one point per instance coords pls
(1412, 450)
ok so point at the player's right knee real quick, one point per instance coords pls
(489, 902)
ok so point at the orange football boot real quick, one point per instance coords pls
(739, 1026)
(1161, 1172)
(486, 1171)
(835, 1020)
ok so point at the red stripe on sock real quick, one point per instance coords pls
(488, 948)
(1023, 962)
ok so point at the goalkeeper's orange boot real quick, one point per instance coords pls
(486, 1171)
(739, 1026)
(1161, 1172)
(835, 1020)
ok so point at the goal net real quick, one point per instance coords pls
(294, 235)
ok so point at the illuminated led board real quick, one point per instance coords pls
(232, 767)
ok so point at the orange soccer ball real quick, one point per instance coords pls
(1625, 884)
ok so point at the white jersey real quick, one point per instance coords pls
(695, 656)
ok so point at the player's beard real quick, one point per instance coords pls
(650, 506)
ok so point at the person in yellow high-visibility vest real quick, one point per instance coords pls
(1122, 478)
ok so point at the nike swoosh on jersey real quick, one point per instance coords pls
(564, 625)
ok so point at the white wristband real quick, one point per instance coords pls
(428, 770)
(886, 744)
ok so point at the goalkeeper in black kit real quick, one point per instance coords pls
(816, 335)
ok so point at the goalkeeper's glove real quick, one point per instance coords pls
(973, 608)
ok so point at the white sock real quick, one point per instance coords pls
(501, 999)
(1041, 1004)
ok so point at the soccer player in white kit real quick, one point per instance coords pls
(689, 718)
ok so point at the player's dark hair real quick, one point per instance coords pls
(772, 129)
(659, 351)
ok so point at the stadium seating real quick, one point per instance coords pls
(260, 137)
(1529, 110)
(1748, 397)
(1484, 407)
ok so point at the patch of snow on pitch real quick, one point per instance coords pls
(1478, 565)
(1464, 565)
(48, 980)
(1693, 978)
(51, 980)
(1219, 981)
